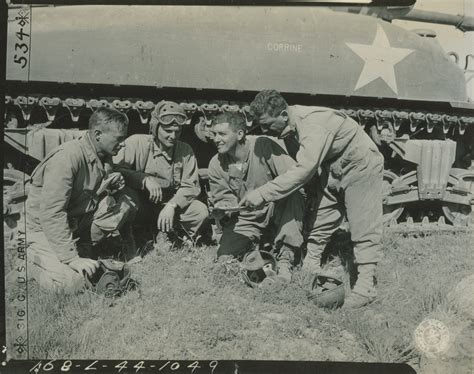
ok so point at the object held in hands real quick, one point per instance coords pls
(113, 183)
(226, 209)
(221, 211)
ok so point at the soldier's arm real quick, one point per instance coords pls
(130, 161)
(189, 188)
(56, 192)
(314, 145)
(276, 156)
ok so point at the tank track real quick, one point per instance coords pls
(382, 124)
(425, 228)
(415, 120)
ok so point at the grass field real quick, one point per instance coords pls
(189, 307)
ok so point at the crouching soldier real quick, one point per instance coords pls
(66, 212)
(350, 182)
(162, 173)
(244, 163)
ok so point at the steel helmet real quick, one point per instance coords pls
(257, 266)
(327, 292)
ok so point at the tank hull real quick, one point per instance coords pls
(402, 88)
(294, 50)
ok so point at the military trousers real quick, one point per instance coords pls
(282, 220)
(350, 187)
(88, 230)
(45, 267)
(190, 219)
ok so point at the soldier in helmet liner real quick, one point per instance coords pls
(349, 183)
(161, 173)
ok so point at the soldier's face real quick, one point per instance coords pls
(225, 138)
(168, 135)
(273, 125)
(111, 138)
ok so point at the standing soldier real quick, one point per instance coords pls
(161, 170)
(66, 215)
(244, 164)
(350, 182)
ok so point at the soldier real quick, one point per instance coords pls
(161, 170)
(350, 182)
(66, 213)
(244, 163)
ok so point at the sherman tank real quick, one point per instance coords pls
(408, 94)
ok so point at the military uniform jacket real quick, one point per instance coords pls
(177, 172)
(265, 160)
(63, 187)
(327, 138)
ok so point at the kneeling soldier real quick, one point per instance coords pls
(65, 215)
(244, 163)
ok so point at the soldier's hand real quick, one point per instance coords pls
(84, 265)
(152, 184)
(111, 184)
(252, 199)
(166, 217)
(117, 182)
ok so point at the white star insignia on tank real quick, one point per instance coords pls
(379, 60)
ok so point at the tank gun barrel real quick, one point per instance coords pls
(462, 23)
(389, 13)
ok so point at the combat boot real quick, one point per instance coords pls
(364, 291)
(311, 267)
(285, 264)
(312, 260)
(284, 270)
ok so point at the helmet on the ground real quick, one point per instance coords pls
(327, 292)
(257, 266)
